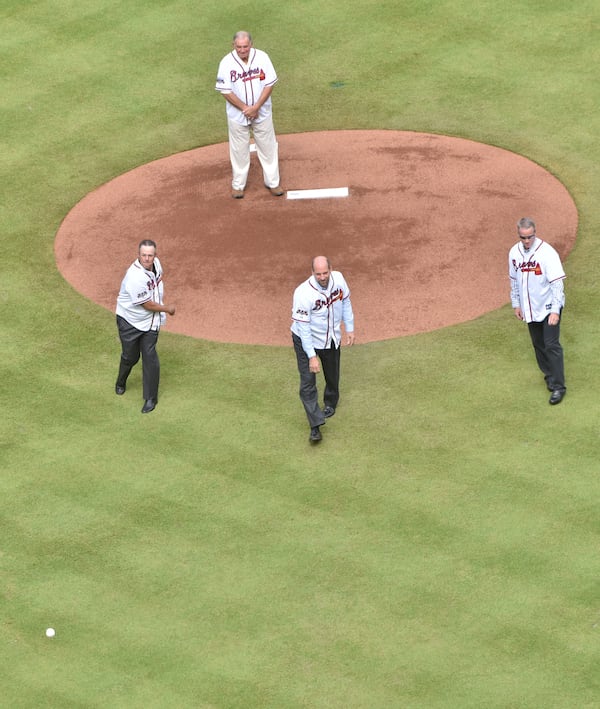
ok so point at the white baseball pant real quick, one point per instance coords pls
(266, 149)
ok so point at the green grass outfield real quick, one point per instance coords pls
(440, 549)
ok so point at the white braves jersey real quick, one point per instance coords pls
(138, 287)
(536, 279)
(317, 313)
(247, 82)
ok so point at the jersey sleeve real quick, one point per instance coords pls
(224, 84)
(554, 268)
(269, 70)
(138, 289)
(300, 306)
(301, 310)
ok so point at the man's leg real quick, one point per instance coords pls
(239, 154)
(330, 361)
(308, 386)
(130, 350)
(150, 365)
(536, 332)
(548, 353)
(554, 355)
(267, 151)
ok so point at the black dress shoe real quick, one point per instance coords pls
(149, 405)
(328, 411)
(557, 396)
(119, 390)
(315, 434)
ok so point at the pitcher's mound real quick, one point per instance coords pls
(422, 237)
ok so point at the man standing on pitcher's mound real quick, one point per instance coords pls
(245, 79)
(319, 307)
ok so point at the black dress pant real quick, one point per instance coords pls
(330, 365)
(549, 353)
(134, 343)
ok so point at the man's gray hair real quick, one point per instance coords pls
(242, 34)
(526, 223)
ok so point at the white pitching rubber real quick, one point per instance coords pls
(318, 194)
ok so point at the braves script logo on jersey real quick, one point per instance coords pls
(528, 266)
(246, 75)
(337, 294)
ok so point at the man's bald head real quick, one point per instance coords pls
(320, 262)
(321, 269)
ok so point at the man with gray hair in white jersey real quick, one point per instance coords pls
(245, 79)
(537, 296)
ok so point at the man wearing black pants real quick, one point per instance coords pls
(537, 296)
(545, 339)
(330, 364)
(140, 313)
(321, 304)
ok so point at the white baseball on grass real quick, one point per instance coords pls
(50, 632)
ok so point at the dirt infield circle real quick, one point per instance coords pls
(422, 237)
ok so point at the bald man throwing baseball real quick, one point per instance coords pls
(321, 304)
